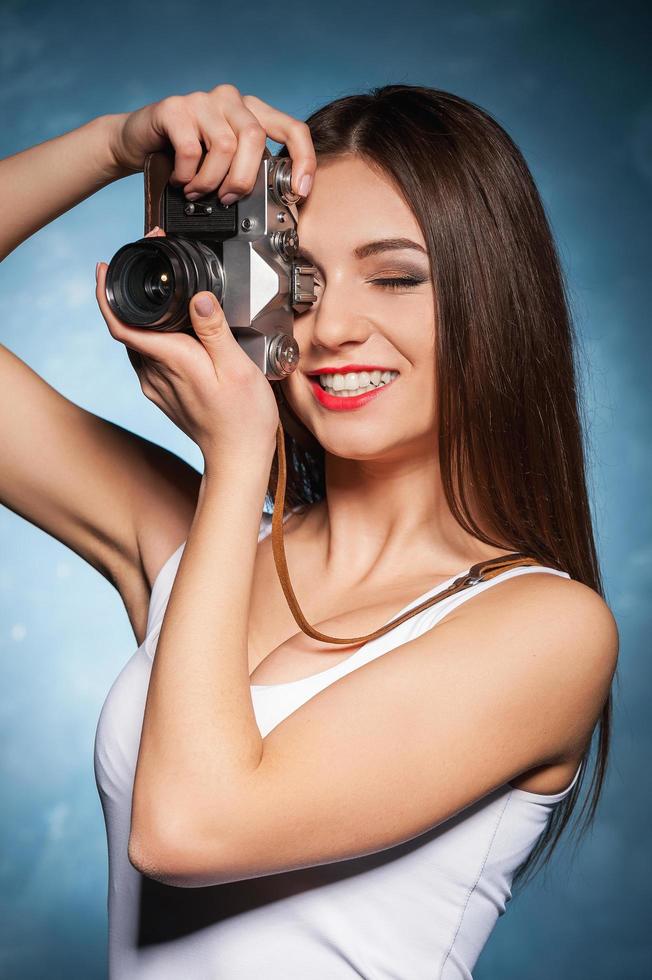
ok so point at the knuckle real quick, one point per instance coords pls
(225, 143)
(171, 103)
(188, 148)
(305, 134)
(253, 131)
(303, 128)
(226, 88)
(198, 96)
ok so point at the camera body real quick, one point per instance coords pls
(244, 253)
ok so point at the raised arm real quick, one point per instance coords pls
(119, 501)
(42, 182)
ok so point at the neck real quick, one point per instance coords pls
(389, 514)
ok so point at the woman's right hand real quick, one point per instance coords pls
(233, 129)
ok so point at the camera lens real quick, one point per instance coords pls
(149, 283)
(150, 280)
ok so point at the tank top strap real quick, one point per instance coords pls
(434, 614)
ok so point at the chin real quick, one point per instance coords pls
(361, 445)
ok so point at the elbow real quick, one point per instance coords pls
(151, 858)
(158, 852)
(177, 859)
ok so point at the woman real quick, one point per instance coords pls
(277, 806)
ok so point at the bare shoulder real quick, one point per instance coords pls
(567, 628)
(560, 607)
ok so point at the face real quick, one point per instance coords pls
(374, 309)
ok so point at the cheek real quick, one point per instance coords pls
(290, 388)
(419, 395)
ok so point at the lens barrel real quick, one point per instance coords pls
(149, 283)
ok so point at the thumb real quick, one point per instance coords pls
(209, 322)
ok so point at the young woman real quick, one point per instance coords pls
(278, 806)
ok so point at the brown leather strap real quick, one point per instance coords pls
(480, 572)
(156, 172)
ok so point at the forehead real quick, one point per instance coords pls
(351, 202)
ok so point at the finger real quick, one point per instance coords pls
(209, 323)
(155, 232)
(221, 143)
(294, 133)
(245, 161)
(181, 129)
(151, 343)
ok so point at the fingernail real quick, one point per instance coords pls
(192, 196)
(155, 228)
(229, 198)
(204, 305)
(304, 185)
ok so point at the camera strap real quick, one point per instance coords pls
(482, 571)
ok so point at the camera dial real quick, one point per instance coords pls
(280, 181)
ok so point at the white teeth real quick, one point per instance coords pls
(355, 382)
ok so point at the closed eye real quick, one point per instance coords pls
(395, 282)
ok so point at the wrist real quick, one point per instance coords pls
(246, 464)
(239, 474)
(110, 126)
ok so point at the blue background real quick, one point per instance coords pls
(569, 83)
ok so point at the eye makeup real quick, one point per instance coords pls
(408, 280)
(398, 282)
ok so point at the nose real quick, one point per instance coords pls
(333, 321)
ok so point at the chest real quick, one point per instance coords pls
(280, 652)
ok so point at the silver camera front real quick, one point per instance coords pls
(244, 253)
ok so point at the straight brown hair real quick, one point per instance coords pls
(510, 429)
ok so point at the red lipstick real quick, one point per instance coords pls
(345, 403)
(347, 368)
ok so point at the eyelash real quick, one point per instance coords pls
(406, 282)
(396, 283)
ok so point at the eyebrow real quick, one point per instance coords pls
(373, 248)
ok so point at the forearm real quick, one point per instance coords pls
(200, 738)
(44, 181)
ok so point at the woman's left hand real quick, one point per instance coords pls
(210, 388)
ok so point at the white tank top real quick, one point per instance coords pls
(421, 910)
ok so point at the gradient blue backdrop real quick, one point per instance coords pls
(569, 82)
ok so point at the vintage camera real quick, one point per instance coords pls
(244, 253)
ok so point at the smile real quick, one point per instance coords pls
(342, 401)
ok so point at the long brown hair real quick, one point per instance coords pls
(510, 428)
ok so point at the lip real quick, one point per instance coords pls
(346, 403)
(346, 369)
